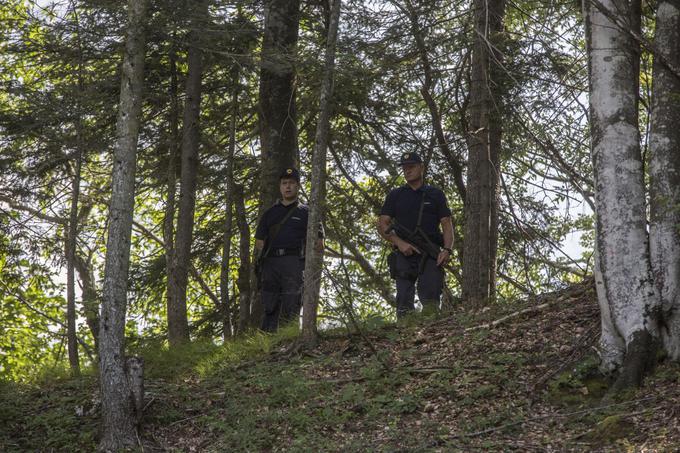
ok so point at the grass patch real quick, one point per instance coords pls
(48, 418)
(583, 385)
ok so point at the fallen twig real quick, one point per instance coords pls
(547, 416)
(499, 321)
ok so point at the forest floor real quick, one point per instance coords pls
(526, 383)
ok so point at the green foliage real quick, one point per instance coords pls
(59, 74)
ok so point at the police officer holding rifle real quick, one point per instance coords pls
(410, 220)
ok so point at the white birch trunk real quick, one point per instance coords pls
(314, 260)
(626, 292)
(612, 345)
(664, 172)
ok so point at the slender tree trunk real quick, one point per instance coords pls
(171, 187)
(664, 169)
(277, 110)
(481, 200)
(243, 280)
(228, 222)
(71, 240)
(626, 292)
(90, 296)
(314, 257)
(72, 234)
(178, 325)
(118, 430)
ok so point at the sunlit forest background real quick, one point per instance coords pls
(402, 83)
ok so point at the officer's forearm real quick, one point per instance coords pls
(383, 226)
(447, 230)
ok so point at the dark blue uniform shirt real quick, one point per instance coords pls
(403, 204)
(292, 234)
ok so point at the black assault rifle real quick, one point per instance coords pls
(417, 238)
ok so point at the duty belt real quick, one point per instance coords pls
(284, 252)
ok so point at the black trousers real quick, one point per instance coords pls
(281, 290)
(429, 283)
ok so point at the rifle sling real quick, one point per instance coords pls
(420, 212)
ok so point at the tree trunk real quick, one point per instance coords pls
(171, 187)
(118, 430)
(278, 117)
(624, 282)
(479, 256)
(228, 222)
(243, 280)
(178, 325)
(277, 111)
(664, 169)
(71, 242)
(314, 257)
(72, 234)
(90, 296)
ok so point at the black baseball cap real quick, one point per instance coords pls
(410, 158)
(290, 172)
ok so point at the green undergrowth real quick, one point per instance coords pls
(580, 386)
(49, 416)
(423, 384)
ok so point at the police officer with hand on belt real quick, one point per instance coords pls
(280, 240)
(417, 206)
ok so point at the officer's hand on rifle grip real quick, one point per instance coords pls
(443, 257)
(406, 248)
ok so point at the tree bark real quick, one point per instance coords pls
(277, 112)
(479, 255)
(626, 292)
(229, 217)
(72, 234)
(314, 257)
(90, 296)
(664, 170)
(243, 280)
(118, 430)
(71, 243)
(178, 324)
(171, 188)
